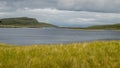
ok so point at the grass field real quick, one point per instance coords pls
(101, 54)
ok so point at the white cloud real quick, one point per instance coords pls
(46, 10)
(81, 20)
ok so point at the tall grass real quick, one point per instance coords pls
(75, 55)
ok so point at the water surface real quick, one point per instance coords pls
(28, 36)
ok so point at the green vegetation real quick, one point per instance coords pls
(103, 54)
(98, 27)
(23, 22)
(114, 27)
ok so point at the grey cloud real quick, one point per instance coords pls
(92, 5)
(107, 6)
(66, 18)
(64, 12)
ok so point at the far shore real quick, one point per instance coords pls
(9, 26)
(104, 40)
(89, 29)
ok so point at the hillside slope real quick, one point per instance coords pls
(23, 22)
(106, 27)
(114, 26)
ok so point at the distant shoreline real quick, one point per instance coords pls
(81, 42)
(22, 26)
(86, 28)
(11, 26)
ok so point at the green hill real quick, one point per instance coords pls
(23, 22)
(106, 27)
(114, 26)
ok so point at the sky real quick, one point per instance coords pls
(65, 13)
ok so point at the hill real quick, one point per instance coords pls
(23, 22)
(106, 27)
(114, 26)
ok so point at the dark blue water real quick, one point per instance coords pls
(27, 36)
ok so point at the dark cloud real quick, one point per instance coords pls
(108, 6)
(92, 5)
(21, 4)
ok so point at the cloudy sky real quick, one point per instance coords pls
(77, 13)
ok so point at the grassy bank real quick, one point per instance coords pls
(75, 55)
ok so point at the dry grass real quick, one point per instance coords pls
(75, 55)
